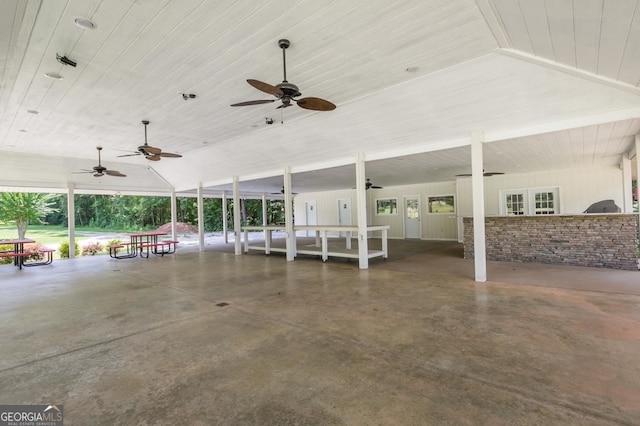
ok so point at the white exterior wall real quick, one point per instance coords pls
(578, 189)
(326, 206)
(433, 226)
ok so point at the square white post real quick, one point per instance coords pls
(225, 226)
(71, 219)
(237, 225)
(627, 184)
(288, 216)
(361, 203)
(200, 218)
(477, 184)
(174, 215)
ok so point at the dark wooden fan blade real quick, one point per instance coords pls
(266, 88)
(114, 173)
(492, 173)
(129, 155)
(150, 149)
(266, 101)
(169, 155)
(155, 157)
(375, 187)
(316, 104)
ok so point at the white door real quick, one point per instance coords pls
(311, 215)
(412, 217)
(344, 214)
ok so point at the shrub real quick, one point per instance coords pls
(92, 249)
(6, 247)
(113, 242)
(64, 249)
(34, 250)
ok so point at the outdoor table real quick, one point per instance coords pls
(146, 240)
(18, 248)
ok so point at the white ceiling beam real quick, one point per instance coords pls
(590, 120)
(419, 149)
(569, 70)
(490, 15)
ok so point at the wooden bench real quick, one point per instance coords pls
(45, 251)
(18, 257)
(113, 251)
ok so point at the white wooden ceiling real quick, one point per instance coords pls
(552, 84)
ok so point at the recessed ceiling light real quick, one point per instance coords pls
(84, 23)
(413, 68)
(33, 111)
(54, 75)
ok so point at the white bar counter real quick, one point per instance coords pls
(322, 240)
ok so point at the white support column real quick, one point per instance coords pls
(237, 225)
(225, 227)
(264, 209)
(71, 219)
(264, 217)
(637, 166)
(288, 216)
(361, 206)
(627, 185)
(200, 218)
(477, 185)
(637, 146)
(174, 215)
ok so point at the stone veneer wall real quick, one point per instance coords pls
(596, 240)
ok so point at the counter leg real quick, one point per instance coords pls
(325, 249)
(385, 248)
(267, 241)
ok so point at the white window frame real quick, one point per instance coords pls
(529, 200)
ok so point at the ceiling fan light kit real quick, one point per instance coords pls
(286, 92)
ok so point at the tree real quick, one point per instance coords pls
(24, 208)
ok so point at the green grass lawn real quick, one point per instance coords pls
(50, 234)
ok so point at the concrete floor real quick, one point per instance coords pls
(207, 338)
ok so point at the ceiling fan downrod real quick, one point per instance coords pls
(284, 43)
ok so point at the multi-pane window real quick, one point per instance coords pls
(413, 209)
(544, 203)
(529, 202)
(515, 204)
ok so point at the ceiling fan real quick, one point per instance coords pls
(285, 91)
(368, 185)
(100, 170)
(151, 153)
(282, 192)
(483, 174)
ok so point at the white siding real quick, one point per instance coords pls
(579, 188)
(434, 226)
